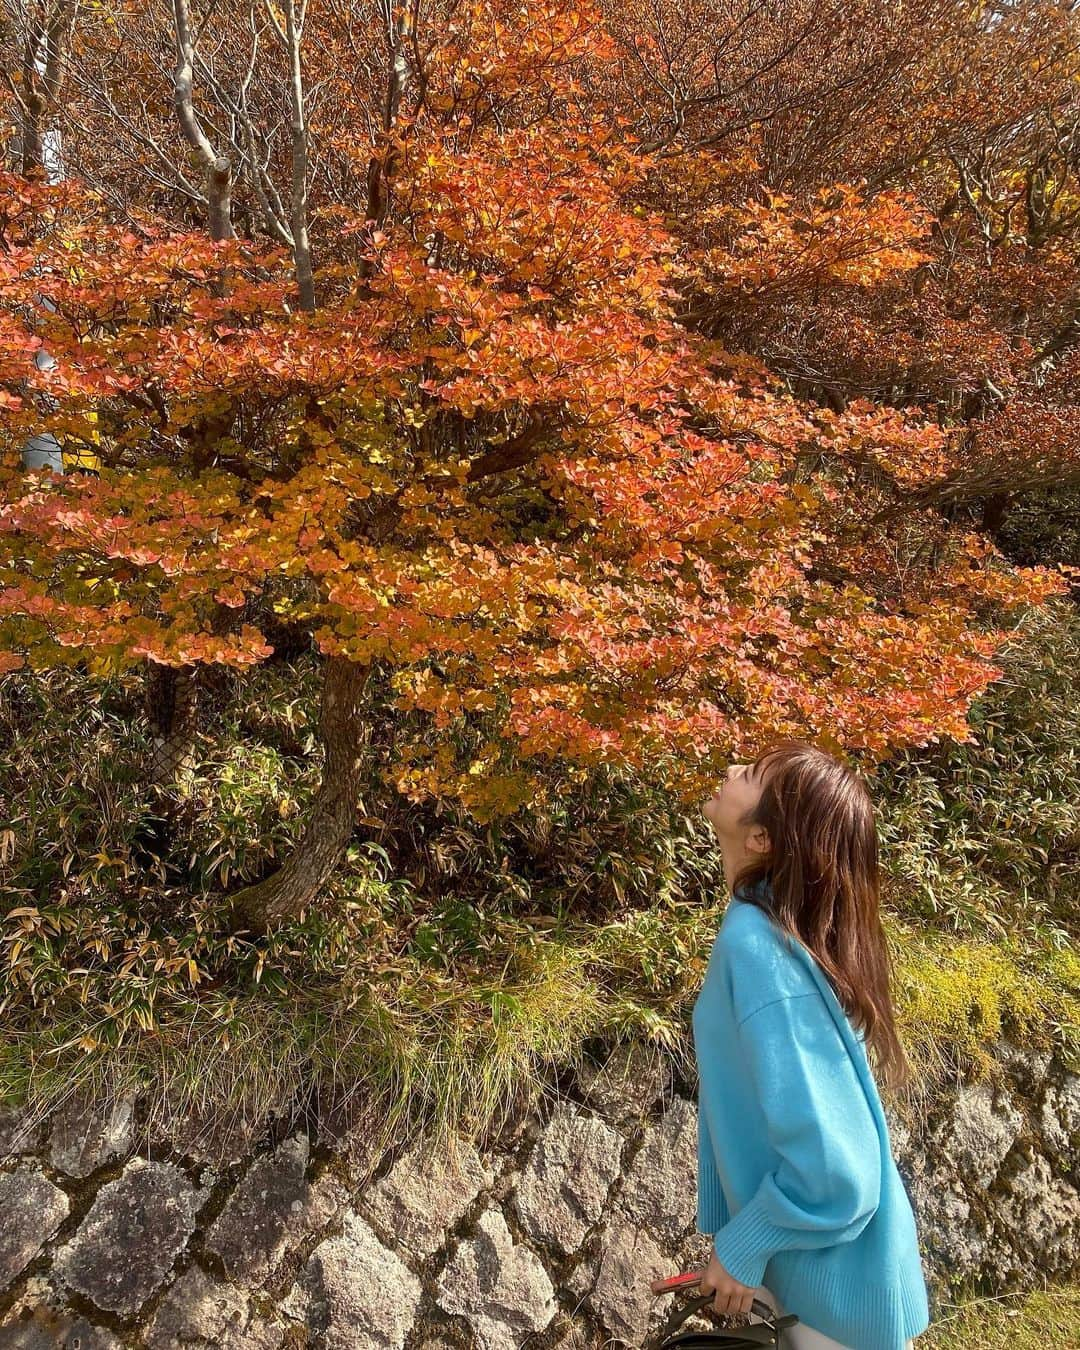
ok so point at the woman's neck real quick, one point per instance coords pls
(735, 860)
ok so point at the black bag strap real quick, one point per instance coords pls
(681, 1311)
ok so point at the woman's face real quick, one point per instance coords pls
(738, 793)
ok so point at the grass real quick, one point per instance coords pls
(956, 997)
(453, 1049)
(454, 1043)
(1043, 1320)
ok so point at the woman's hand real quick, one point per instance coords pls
(731, 1296)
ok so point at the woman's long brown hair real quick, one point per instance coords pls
(823, 876)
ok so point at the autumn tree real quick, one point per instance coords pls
(805, 123)
(522, 452)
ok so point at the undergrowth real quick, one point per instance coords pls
(450, 965)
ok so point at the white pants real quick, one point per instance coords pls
(800, 1336)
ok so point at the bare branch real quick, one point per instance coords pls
(218, 167)
(183, 83)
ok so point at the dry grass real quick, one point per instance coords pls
(1045, 1320)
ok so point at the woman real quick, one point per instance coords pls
(796, 1178)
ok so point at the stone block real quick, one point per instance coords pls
(622, 1299)
(43, 1328)
(946, 1223)
(1041, 1215)
(660, 1188)
(1059, 1120)
(208, 1141)
(32, 1209)
(356, 1294)
(499, 1286)
(20, 1132)
(564, 1188)
(201, 1313)
(84, 1137)
(982, 1128)
(424, 1195)
(627, 1085)
(272, 1209)
(132, 1234)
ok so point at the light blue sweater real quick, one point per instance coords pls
(796, 1178)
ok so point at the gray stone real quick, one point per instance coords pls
(947, 1225)
(208, 1141)
(134, 1231)
(500, 1287)
(660, 1190)
(981, 1132)
(581, 1281)
(1041, 1215)
(626, 1086)
(566, 1181)
(20, 1131)
(1027, 1064)
(355, 1294)
(32, 1209)
(85, 1137)
(346, 1127)
(693, 1252)
(1059, 1119)
(622, 1297)
(900, 1143)
(424, 1194)
(274, 1207)
(201, 1313)
(43, 1328)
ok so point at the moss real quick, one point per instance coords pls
(955, 999)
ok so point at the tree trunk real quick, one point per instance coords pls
(172, 694)
(171, 708)
(995, 509)
(219, 195)
(48, 39)
(305, 277)
(342, 725)
(342, 729)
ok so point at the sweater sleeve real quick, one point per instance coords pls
(712, 1210)
(827, 1184)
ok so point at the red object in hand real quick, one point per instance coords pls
(672, 1282)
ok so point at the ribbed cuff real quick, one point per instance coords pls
(745, 1244)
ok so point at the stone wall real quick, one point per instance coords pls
(116, 1234)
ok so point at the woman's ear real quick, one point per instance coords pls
(758, 841)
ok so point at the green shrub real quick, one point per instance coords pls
(984, 838)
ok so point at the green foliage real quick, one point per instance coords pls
(984, 838)
(449, 964)
(261, 771)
